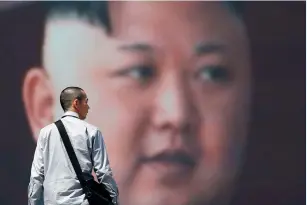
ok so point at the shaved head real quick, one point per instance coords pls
(69, 94)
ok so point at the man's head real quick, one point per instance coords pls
(74, 99)
(169, 84)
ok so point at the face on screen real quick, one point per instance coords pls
(169, 89)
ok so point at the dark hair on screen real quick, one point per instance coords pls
(97, 11)
(92, 11)
(69, 94)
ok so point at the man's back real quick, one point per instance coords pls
(52, 167)
(60, 176)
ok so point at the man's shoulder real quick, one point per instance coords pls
(91, 128)
(48, 128)
(46, 131)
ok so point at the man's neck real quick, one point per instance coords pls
(72, 112)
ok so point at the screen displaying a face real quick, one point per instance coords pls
(173, 87)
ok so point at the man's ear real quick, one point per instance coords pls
(38, 99)
(75, 104)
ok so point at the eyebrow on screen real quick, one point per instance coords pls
(201, 48)
(204, 48)
(136, 47)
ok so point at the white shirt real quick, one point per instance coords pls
(53, 180)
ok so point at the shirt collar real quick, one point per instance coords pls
(71, 113)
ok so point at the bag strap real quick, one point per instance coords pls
(71, 153)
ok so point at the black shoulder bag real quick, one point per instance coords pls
(95, 193)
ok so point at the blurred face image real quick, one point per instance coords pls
(169, 89)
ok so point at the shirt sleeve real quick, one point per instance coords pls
(35, 188)
(102, 166)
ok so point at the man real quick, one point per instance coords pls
(53, 179)
(170, 86)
